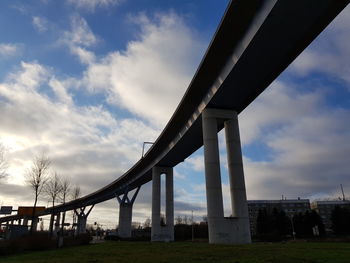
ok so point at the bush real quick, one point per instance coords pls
(38, 241)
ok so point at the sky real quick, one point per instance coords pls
(86, 82)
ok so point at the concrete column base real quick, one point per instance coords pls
(82, 218)
(125, 214)
(35, 223)
(222, 230)
(229, 230)
(159, 232)
(163, 234)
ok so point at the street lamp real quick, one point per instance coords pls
(143, 147)
(292, 223)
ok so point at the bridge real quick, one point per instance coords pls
(255, 41)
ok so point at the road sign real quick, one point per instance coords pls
(28, 210)
(6, 210)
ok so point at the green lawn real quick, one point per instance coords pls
(178, 252)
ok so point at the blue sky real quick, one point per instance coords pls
(88, 81)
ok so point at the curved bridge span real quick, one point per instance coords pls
(255, 41)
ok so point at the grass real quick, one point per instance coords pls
(131, 252)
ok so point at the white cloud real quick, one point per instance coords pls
(60, 91)
(8, 49)
(329, 53)
(81, 34)
(153, 72)
(278, 105)
(31, 75)
(307, 140)
(40, 111)
(33, 121)
(79, 38)
(91, 5)
(40, 23)
(196, 163)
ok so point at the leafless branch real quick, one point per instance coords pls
(66, 188)
(36, 178)
(76, 192)
(37, 175)
(53, 188)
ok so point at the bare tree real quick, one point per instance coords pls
(3, 162)
(147, 223)
(53, 189)
(36, 178)
(66, 187)
(76, 192)
(178, 220)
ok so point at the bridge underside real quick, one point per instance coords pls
(255, 42)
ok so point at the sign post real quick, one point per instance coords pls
(6, 210)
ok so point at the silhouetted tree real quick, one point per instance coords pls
(263, 222)
(304, 223)
(272, 225)
(280, 221)
(341, 220)
(66, 188)
(178, 220)
(147, 223)
(36, 178)
(53, 189)
(317, 221)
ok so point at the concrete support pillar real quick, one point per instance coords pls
(63, 221)
(235, 168)
(52, 221)
(81, 225)
(125, 213)
(162, 232)
(56, 229)
(35, 223)
(82, 218)
(25, 221)
(233, 229)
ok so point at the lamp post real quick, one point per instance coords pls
(143, 147)
(292, 223)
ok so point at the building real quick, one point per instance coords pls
(290, 207)
(325, 209)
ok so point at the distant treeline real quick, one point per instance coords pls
(276, 225)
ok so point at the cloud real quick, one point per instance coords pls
(196, 163)
(41, 112)
(92, 5)
(306, 138)
(153, 72)
(31, 76)
(79, 38)
(60, 91)
(277, 106)
(40, 24)
(39, 115)
(8, 49)
(81, 34)
(329, 53)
